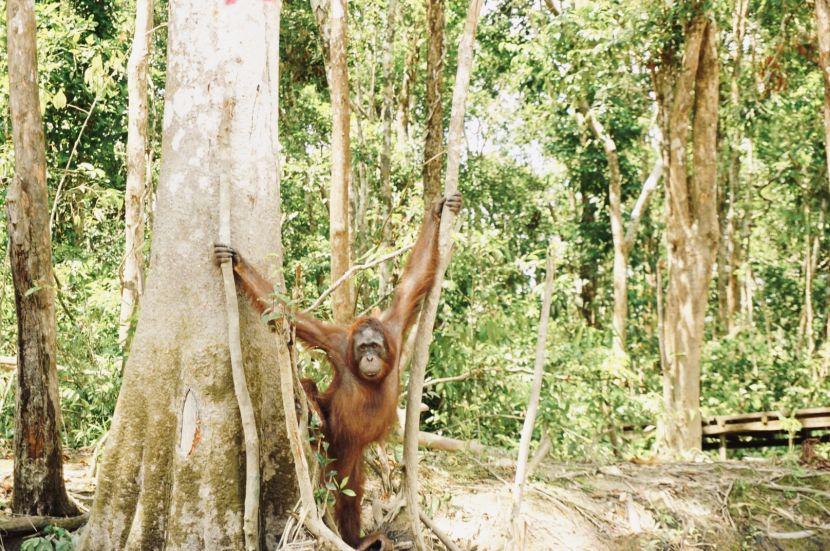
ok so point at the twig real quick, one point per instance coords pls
(68, 162)
(454, 378)
(725, 503)
(240, 385)
(351, 271)
(797, 489)
(445, 539)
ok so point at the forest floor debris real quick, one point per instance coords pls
(723, 505)
(746, 504)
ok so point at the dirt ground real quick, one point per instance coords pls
(725, 505)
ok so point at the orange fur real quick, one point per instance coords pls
(355, 411)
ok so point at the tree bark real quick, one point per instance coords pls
(342, 305)
(38, 487)
(620, 269)
(132, 281)
(405, 97)
(623, 238)
(812, 245)
(730, 252)
(823, 29)
(173, 471)
(320, 9)
(434, 142)
(423, 336)
(522, 470)
(384, 273)
(692, 231)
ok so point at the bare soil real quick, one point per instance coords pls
(760, 505)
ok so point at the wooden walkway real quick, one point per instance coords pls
(766, 428)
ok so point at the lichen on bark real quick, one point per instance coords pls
(154, 490)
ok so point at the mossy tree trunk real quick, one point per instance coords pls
(38, 464)
(173, 472)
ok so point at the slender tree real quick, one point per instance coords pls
(533, 402)
(132, 281)
(689, 92)
(730, 250)
(38, 464)
(423, 335)
(173, 473)
(339, 234)
(623, 237)
(386, 151)
(823, 28)
(434, 142)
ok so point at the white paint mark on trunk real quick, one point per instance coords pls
(189, 433)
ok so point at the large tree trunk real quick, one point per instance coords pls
(823, 28)
(342, 305)
(132, 281)
(692, 231)
(434, 142)
(38, 464)
(173, 472)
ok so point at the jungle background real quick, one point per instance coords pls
(532, 170)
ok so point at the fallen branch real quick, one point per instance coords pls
(797, 489)
(34, 524)
(352, 271)
(445, 539)
(800, 534)
(444, 443)
(441, 443)
(9, 363)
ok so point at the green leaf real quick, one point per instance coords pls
(59, 99)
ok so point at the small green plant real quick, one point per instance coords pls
(792, 426)
(326, 494)
(53, 539)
